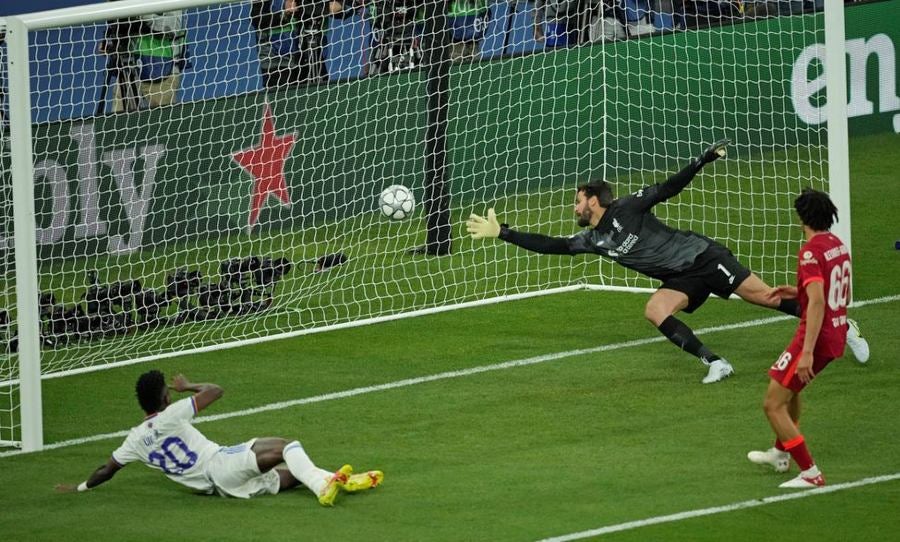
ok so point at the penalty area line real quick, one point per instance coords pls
(441, 376)
(743, 505)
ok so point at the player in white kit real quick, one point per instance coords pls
(166, 441)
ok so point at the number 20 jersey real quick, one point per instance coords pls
(168, 442)
(826, 259)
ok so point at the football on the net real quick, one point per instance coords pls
(396, 202)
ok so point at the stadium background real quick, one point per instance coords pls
(594, 439)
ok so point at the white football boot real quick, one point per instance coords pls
(718, 370)
(858, 345)
(778, 460)
(805, 482)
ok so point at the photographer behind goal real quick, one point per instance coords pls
(146, 55)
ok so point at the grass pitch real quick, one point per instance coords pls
(569, 442)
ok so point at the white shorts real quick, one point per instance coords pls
(234, 473)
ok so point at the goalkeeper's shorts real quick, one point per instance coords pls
(715, 271)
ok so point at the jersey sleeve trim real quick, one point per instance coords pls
(116, 461)
(194, 404)
(812, 279)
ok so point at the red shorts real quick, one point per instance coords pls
(784, 370)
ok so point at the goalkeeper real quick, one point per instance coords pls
(691, 266)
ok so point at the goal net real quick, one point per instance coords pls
(206, 177)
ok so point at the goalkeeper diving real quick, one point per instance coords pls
(690, 266)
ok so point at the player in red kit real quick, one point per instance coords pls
(823, 291)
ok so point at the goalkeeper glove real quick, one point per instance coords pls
(713, 152)
(481, 228)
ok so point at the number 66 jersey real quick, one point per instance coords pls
(168, 442)
(825, 258)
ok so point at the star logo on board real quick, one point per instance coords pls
(265, 163)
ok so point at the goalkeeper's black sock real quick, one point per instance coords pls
(790, 307)
(679, 333)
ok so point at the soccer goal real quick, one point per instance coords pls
(171, 187)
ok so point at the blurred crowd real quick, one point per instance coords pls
(563, 23)
(146, 55)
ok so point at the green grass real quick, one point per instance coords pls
(744, 202)
(518, 454)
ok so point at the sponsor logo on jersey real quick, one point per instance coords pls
(617, 225)
(807, 258)
(628, 244)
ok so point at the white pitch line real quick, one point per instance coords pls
(722, 509)
(440, 376)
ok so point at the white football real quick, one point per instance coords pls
(396, 202)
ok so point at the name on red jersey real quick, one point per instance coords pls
(833, 253)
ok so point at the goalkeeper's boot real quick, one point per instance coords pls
(335, 482)
(363, 480)
(805, 481)
(718, 370)
(777, 459)
(858, 345)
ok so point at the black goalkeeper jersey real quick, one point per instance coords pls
(629, 233)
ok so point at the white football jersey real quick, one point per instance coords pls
(168, 442)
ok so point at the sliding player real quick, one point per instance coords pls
(166, 441)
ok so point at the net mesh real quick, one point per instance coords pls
(212, 175)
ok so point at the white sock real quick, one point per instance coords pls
(811, 472)
(302, 467)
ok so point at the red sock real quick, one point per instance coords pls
(797, 448)
(779, 445)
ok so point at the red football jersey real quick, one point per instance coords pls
(825, 258)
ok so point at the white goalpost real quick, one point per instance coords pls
(836, 117)
(31, 417)
(171, 188)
